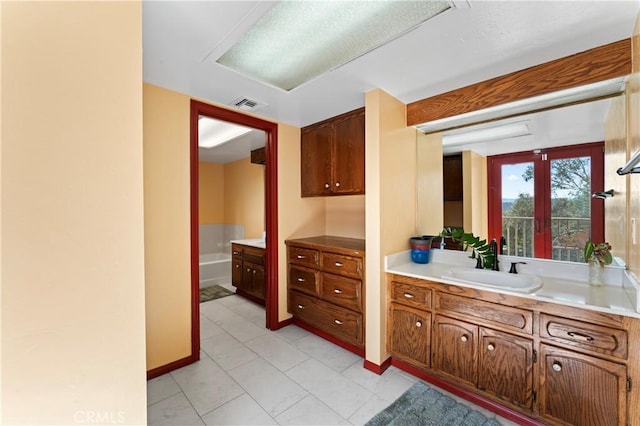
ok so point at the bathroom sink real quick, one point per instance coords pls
(514, 282)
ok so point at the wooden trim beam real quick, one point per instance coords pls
(591, 66)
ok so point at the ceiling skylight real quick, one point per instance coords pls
(296, 41)
(214, 132)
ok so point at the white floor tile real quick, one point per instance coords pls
(175, 410)
(272, 389)
(161, 388)
(340, 393)
(310, 411)
(206, 385)
(328, 353)
(241, 411)
(241, 329)
(291, 333)
(389, 385)
(276, 351)
(368, 410)
(226, 351)
(216, 312)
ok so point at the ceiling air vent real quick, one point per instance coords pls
(247, 104)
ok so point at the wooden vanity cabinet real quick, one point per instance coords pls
(332, 156)
(248, 272)
(326, 287)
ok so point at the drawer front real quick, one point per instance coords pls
(339, 322)
(342, 291)
(254, 255)
(583, 335)
(303, 256)
(304, 280)
(342, 265)
(486, 313)
(411, 295)
(236, 251)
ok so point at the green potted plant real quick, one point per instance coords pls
(597, 255)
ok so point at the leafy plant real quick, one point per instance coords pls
(480, 249)
(599, 252)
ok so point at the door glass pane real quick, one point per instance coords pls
(570, 207)
(517, 208)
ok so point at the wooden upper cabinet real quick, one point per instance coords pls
(452, 177)
(332, 156)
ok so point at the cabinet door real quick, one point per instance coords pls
(410, 335)
(579, 389)
(236, 273)
(315, 160)
(348, 155)
(455, 349)
(253, 281)
(506, 367)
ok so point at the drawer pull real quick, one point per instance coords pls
(301, 280)
(338, 264)
(409, 295)
(254, 271)
(491, 347)
(464, 338)
(237, 266)
(338, 322)
(248, 269)
(300, 306)
(580, 336)
(556, 366)
(337, 291)
(300, 256)
(418, 324)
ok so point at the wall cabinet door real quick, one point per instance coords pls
(577, 389)
(455, 349)
(506, 367)
(315, 160)
(348, 155)
(410, 335)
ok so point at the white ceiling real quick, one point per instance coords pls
(472, 42)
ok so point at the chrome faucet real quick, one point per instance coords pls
(493, 247)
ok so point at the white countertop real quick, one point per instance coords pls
(563, 282)
(257, 242)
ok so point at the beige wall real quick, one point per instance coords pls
(390, 205)
(430, 218)
(474, 189)
(210, 193)
(345, 216)
(72, 186)
(633, 140)
(244, 192)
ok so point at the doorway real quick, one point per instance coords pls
(271, 211)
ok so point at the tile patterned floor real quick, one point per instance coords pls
(248, 375)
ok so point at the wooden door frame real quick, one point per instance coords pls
(271, 212)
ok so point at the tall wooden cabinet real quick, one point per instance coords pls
(332, 156)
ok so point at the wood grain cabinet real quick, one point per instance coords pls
(248, 272)
(332, 156)
(326, 287)
(559, 365)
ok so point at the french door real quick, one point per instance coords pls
(541, 201)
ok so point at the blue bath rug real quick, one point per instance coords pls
(214, 292)
(423, 405)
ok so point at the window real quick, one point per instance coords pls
(541, 202)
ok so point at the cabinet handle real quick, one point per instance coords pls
(326, 185)
(409, 295)
(338, 264)
(490, 346)
(556, 366)
(418, 324)
(237, 266)
(300, 306)
(300, 256)
(301, 280)
(235, 252)
(337, 291)
(248, 269)
(254, 271)
(464, 338)
(338, 322)
(580, 336)
(337, 184)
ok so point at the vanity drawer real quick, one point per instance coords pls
(303, 256)
(584, 335)
(254, 255)
(411, 295)
(486, 313)
(342, 291)
(342, 265)
(342, 323)
(303, 279)
(236, 251)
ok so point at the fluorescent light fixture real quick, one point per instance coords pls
(213, 132)
(562, 97)
(296, 41)
(495, 133)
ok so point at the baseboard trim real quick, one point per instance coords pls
(378, 369)
(480, 401)
(348, 346)
(282, 324)
(167, 368)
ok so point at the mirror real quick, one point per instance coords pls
(587, 122)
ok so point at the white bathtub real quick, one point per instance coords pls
(215, 268)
